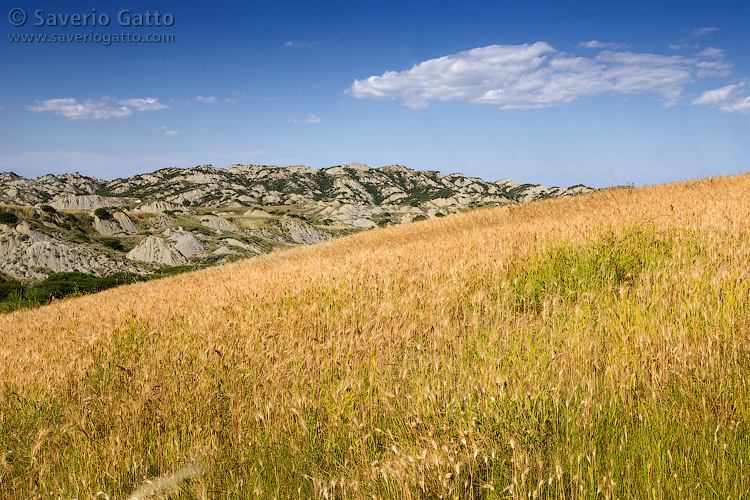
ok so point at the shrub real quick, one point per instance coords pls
(113, 243)
(8, 218)
(7, 288)
(48, 209)
(103, 214)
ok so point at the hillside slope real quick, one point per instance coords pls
(590, 346)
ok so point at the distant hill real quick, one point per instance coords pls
(248, 185)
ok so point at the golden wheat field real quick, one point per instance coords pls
(596, 346)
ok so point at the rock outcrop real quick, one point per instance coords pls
(106, 227)
(86, 202)
(187, 244)
(256, 212)
(217, 223)
(126, 223)
(302, 232)
(26, 253)
(121, 224)
(157, 207)
(17, 190)
(157, 250)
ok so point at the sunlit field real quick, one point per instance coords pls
(596, 346)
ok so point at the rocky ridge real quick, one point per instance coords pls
(253, 185)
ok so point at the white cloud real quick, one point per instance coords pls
(207, 100)
(310, 118)
(147, 104)
(596, 44)
(86, 110)
(168, 132)
(90, 109)
(529, 76)
(300, 43)
(726, 98)
(711, 52)
(715, 66)
(704, 31)
(719, 69)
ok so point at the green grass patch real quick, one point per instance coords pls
(568, 271)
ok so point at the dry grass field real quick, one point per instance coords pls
(589, 347)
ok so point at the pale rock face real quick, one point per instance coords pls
(157, 250)
(336, 171)
(24, 228)
(86, 202)
(202, 179)
(507, 183)
(187, 244)
(224, 251)
(161, 222)
(300, 169)
(235, 243)
(444, 202)
(394, 198)
(359, 167)
(272, 198)
(396, 168)
(294, 199)
(126, 223)
(158, 207)
(534, 193)
(302, 232)
(576, 190)
(257, 213)
(361, 223)
(106, 227)
(22, 250)
(217, 223)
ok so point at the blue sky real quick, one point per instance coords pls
(555, 93)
